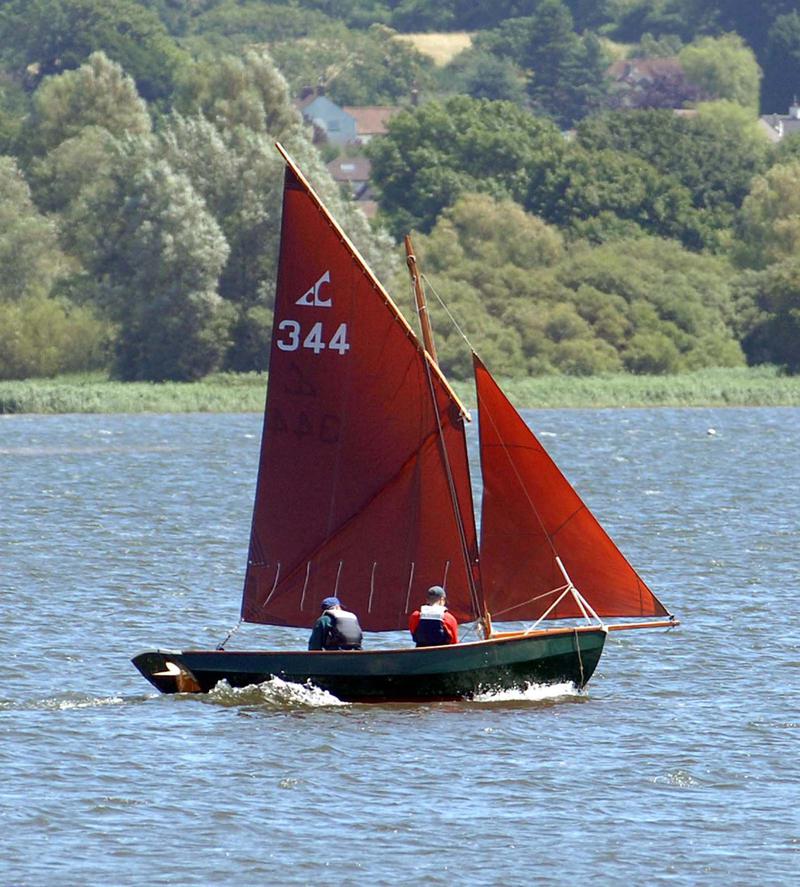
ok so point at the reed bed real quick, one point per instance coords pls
(239, 393)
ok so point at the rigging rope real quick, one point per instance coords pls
(447, 311)
(231, 633)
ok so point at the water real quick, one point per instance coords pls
(677, 766)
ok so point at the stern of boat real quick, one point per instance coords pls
(166, 672)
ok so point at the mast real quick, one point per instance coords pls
(430, 347)
(419, 296)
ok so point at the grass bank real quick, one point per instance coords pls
(231, 393)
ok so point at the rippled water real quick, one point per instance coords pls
(678, 765)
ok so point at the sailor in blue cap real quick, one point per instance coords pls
(336, 628)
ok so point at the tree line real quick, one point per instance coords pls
(140, 189)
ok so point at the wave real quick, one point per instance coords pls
(65, 702)
(533, 693)
(274, 693)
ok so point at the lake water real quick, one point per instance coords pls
(678, 765)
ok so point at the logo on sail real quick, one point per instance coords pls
(312, 299)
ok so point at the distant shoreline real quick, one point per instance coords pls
(232, 393)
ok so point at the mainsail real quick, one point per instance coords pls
(530, 515)
(363, 485)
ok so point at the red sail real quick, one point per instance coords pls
(354, 495)
(530, 515)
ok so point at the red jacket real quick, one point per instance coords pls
(448, 621)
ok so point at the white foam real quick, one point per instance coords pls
(532, 693)
(70, 702)
(275, 693)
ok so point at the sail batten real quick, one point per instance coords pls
(363, 457)
(530, 516)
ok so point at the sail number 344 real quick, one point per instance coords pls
(292, 338)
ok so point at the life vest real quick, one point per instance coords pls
(430, 631)
(344, 633)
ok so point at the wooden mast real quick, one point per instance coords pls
(427, 339)
(419, 295)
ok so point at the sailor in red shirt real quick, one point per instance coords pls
(432, 625)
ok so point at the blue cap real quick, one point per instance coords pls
(435, 592)
(330, 602)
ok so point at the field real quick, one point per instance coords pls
(230, 393)
(442, 48)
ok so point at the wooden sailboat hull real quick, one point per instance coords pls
(432, 673)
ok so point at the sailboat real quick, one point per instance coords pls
(364, 492)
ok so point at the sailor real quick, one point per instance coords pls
(432, 625)
(336, 629)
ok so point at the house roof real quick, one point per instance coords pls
(639, 70)
(778, 126)
(350, 169)
(371, 119)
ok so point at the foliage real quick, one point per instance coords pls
(13, 108)
(604, 194)
(482, 75)
(231, 25)
(154, 254)
(228, 393)
(769, 223)
(240, 91)
(29, 253)
(45, 37)
(355, 68)
(81, 162)
(39, 335)
(781, 63)
(725, 68)
(441, 150)
(714, 155)
(663, 308)
(645, 305)
(566, 72)
(44, 337)
(769, 305)
(159, 229)
(98, 93)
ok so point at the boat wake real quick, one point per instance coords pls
(63, 702)
(273, 694)
(533, 693)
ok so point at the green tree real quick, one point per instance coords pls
(442, 150)
(29, 253)
(714, 155)
(654, 290)
(45, 37)
(646, 304)
(769, 308)
(781, 64)
(725, 68)
(229, 26)
(768, 229)
(380, 69)
(154, 254)
(566, 72)
(482, 75)
(230, 158)
(607, 194)
(14, 107)
(246, 91)
(59, 178)
(39, 335)
(43, 337)
(98, 93)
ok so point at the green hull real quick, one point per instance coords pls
(431, 673)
